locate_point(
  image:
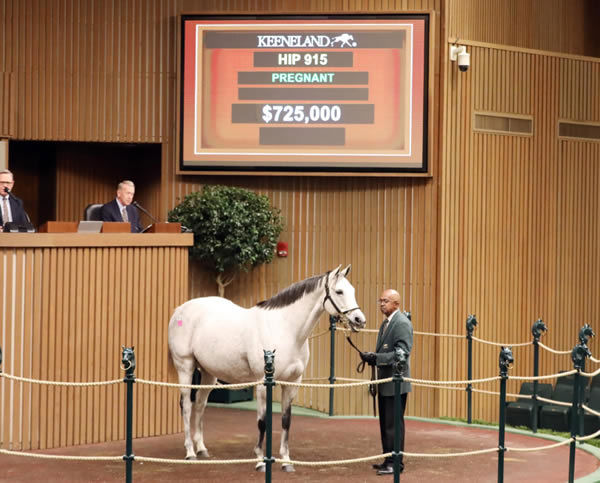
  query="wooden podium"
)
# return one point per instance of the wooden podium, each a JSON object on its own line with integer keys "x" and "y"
{"x": 164, "y": 228}
{"x": 116, "y": 227}
{"x": 59, "y": 227}
{"x": 71, "y": 301}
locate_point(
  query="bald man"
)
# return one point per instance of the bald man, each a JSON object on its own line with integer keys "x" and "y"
{"x": 395, "y": 331}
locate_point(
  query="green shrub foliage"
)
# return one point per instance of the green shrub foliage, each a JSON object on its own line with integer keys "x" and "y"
{"x": 234, "y": 228}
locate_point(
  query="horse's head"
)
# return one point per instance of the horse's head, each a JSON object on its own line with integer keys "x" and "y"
{"x": 471, "y": 324}
{"x": 269, "y": 362}
{"x": 506, "y": 358}
{"x": 128, "y": 359}
{"x": 340, "y": 300}
{"x": 537, "y": 328}
{"x": 585, "y": 333}
{"x": 400, "y": 360}
{"x": 578, "y": 355}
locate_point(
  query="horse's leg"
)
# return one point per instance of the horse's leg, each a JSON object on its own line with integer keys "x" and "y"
{"x": 198, "y": 415}
{"x": 261, "y": 408}
{"x": 185, "y": 369}
{"x": 288, "y": 393}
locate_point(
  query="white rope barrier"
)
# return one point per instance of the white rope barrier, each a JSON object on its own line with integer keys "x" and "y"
{"x": 59, "y": 383}
{"x": 61, "y": 457}
{"x": 552, "y": 401}
{"x": 452, "y": 388}
{"x": 472, "y": 381}
{"x": 448, "y": 455}
{"x": 201, "y": 386}
{"x": 508, "y": 394}
{"x": 354, "y": 383}
{"x": 385, "y": 455}
{"x": 540, "y": 378}
{"x": 549, "y": 349}
{"x": 416, "y": 332}
{"x": 332, "y": 462}
{"x": 150, "y": 459}
{"x": 349, "y": 379}
{"x": 590, "y": 410}
{"x": 483, "y": 341}
{"x": 541, "y": 448}
{"x": 350, "y": 384}
{"x": 589, "y": 436}
{"x": 591, "y": 374}
{"x": 433, "y": 334}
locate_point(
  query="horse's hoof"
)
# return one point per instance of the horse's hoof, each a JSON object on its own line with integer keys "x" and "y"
{"x": 261, "y": 467}
{"x": 203, "y": 454}
{"x": 190, "y": 457}
{"x": 288, "y": 468}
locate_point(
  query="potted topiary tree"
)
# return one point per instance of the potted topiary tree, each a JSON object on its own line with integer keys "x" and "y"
{"x": 234, "y": 229}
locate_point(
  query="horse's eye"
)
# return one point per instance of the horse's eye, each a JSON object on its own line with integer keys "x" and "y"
{"x": 339, "y": 292}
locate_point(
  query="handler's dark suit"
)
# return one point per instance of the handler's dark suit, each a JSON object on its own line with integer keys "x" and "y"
{"x": 397, "y": 332}
{"x": 16, "y": 208}
{"x": 110, "y": 212}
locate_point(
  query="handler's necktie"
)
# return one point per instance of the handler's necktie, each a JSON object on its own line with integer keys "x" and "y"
{"x": 6, "y": 212}
{"x": 384, "y": 325}
{"x": 124, "y": 214}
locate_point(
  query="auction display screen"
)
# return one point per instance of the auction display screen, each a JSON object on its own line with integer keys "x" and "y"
{"x": 333, "y": 95}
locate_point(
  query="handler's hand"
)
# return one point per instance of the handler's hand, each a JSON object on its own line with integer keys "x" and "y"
{"x": 369, "y": 357}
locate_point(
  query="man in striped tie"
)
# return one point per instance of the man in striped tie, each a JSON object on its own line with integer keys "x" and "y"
{"x": 121, "y": 209}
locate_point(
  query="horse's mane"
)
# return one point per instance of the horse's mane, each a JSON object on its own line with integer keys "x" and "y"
{"x": 289, "y": 295}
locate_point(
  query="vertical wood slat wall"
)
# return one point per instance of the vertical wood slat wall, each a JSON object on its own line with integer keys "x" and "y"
{"x": 519, "y": 225}
{"x": 551, "y": 25}
{"x": 75, "y": 74}
{"x": 73, "y": 310}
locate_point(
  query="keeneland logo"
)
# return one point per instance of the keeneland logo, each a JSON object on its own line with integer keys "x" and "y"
{"x": 309, "y": 41}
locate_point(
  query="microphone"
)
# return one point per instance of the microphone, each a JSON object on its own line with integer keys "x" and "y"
{"x": 141, "y": 208}
{"x": 11, "y": 196}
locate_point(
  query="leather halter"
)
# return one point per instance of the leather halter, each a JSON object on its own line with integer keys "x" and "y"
{"x": 341, "y": 313}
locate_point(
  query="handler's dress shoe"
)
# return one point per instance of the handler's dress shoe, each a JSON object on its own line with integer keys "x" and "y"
{"x": 379, "y": 466}
{"x": 388, "y": 470}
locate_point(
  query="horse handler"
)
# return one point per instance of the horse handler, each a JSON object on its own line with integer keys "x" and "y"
{"x": 395, "y": 331}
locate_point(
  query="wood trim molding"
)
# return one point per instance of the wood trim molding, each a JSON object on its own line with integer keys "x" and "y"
{"x": 512, "y": 48}
{"x": 96, "y": 240}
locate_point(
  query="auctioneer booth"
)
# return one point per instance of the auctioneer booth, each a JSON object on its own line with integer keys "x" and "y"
{"x": 71, "y": 300}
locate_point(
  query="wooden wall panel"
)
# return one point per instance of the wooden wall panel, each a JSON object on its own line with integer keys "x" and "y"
{"x": 66, "y": 313}
{"x": 504, "y": 229}
{"x": 567, "y": 26}
{"x": 7, "y": 102}
{"x": 103, "y": 66}
{"x": 518, "y": 230}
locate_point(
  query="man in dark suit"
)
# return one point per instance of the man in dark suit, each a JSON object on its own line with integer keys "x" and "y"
{"x": 11, "y": 207}
{"x": 120, "y": 209}
{"x": 395, "y": 331}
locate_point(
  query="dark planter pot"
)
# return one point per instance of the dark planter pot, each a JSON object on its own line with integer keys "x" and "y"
{"x": 229, "y": 396}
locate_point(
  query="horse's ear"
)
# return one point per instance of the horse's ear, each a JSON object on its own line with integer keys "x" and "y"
{"x": 346, "y": 270}
{"x": 336, "y": 272}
